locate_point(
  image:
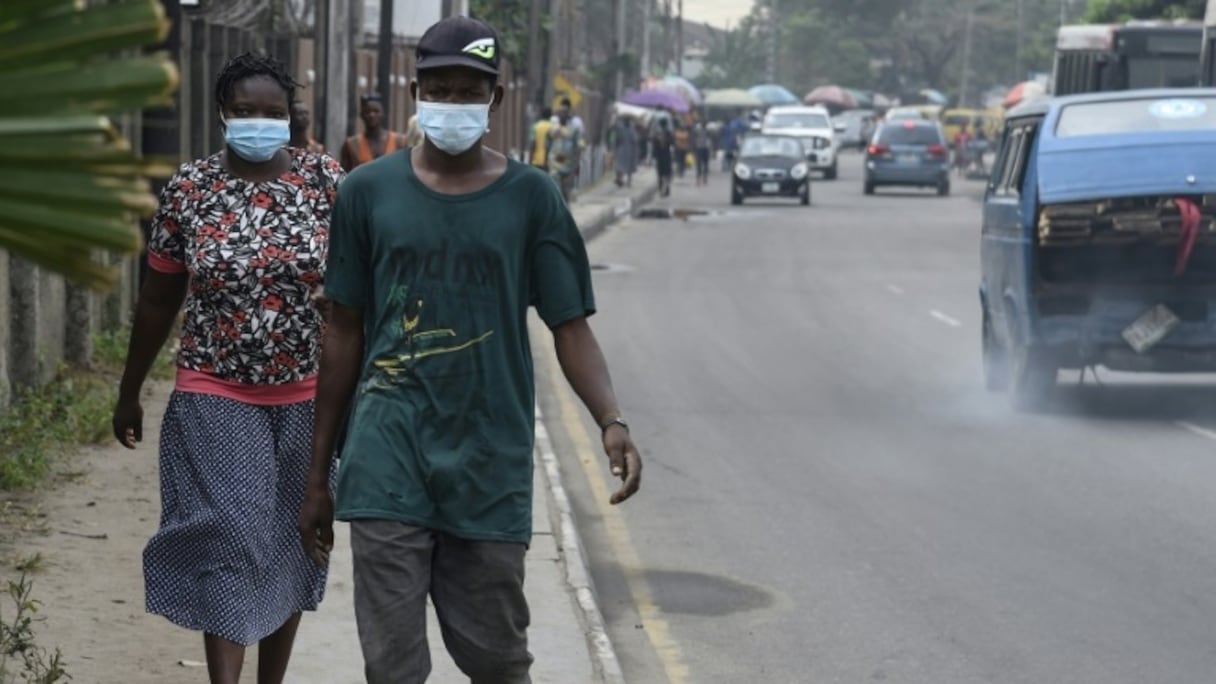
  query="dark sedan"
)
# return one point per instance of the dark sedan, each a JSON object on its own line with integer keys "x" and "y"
{"x": 771, "y": 166}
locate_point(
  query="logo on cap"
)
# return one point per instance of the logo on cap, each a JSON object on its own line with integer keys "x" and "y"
{"x": 482, "y": 47}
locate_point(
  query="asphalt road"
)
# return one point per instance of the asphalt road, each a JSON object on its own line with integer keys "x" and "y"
{"x": 831, "y": 495}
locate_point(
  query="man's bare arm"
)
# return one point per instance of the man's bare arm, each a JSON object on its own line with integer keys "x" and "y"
{"x": 585, "y": 369}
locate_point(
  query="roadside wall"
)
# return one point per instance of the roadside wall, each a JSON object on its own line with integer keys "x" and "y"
{"x": 45, "y": 322}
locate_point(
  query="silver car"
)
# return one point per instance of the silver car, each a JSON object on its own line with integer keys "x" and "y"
{"x": 909, "y": 153}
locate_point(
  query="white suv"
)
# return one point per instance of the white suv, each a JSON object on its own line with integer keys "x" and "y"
{"x": 814, "y": 126}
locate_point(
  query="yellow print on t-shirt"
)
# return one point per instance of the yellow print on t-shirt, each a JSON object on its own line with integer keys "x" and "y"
{"x": 398, "y": 369}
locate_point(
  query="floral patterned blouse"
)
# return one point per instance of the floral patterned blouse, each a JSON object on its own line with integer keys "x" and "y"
{"x": 255, "y": 253}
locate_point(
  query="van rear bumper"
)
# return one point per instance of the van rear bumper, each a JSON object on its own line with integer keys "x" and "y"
{"x": 1081, "y": 328}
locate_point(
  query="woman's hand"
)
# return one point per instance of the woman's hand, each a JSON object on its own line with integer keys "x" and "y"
{"x": 128, "y": 422}
{"x": 324, "y": 304}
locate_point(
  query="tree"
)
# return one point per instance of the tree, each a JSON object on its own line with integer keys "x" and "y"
{"x": 895, "y": 46}
{"x": 510, "y": 19}
{"x": 1124, "y": 10}
{"x": 70, "y": 184}
{"x": 736, "y": 56}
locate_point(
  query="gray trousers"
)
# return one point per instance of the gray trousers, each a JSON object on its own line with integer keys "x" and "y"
{"x": 478, "y": 591}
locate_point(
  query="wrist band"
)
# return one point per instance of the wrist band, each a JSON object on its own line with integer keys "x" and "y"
{"x": 615, "y": 420}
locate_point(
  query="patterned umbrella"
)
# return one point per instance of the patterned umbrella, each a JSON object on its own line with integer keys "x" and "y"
{"x": 831, "y": 96}
{"x": 731, "y": 97}
{"x": 685, "y": 87}
{"x": 1026, "y": 90}
{"x": 657, "y": 99}
{"x": 934, "y": 97}
{"x": 772, "y": 94}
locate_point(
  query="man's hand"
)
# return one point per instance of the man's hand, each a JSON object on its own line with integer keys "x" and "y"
{"x": 625, "y": 461}
{"x": 317, "y": 523}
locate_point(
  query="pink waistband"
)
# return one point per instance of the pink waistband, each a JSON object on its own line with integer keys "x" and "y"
{"x": 159, "y": 262}
{"x": 261, "y": 395}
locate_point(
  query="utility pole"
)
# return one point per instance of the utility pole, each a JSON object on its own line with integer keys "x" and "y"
{"x": 320, "y": 67}
{"x": 966, "y": 77}
{"x": 536, "y": 70}
{"x": 1019, "y": 71}
{"x": 647, "y": 15}
{"x": 384, "y": 60}
{"x": 554, "y": 59}
{"x": 666, "y": 35}
{"x": 680, "y": 38}
{"x": 339, "y": 49}
{"x": 621, "y": 11}
{"x": 774, "y": 38}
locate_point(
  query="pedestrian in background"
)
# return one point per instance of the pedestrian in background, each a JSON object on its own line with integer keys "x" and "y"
{"x": 563, "y": 153}
{"x": 701, "y": 146}
{"x": 240, "y": 238}
{"x": 566, "y": 112}
{"x": 413, "y": 134}
{"x": 375, "y": 141}
{"x": 436, "y": 471}
{"x": 683, "y": 144}
{"x": 538, "y": 139}
{"x": 661, "y": 150}
{"x": 732, "y": 135}
{"x": 625, "y": 151}
{"x": 301, "y": 129}
{"x": 642, "y": 134}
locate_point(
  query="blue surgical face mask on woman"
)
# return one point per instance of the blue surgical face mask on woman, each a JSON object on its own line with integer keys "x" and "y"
{"x": 256, "y": 140}
{"x": 454, "y": 128}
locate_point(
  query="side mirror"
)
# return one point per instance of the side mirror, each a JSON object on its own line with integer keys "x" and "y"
{"x": 840, "y": 126}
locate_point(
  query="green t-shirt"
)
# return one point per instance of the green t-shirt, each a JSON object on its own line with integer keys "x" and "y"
{"x": 442, "y": 432}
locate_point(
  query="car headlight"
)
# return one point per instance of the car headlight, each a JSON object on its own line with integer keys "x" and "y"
{"x": 743, "y": 171}
{"x": 799, "y": 171}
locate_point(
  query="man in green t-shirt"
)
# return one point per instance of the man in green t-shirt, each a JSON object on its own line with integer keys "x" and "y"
{"x": 435, "y": 256}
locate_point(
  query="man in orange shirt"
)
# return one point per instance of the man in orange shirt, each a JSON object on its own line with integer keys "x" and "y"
{"x": 375, "y": 141}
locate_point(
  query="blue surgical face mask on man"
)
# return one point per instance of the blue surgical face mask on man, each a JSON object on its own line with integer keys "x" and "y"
{"x": 256, "y": 140}
{"x": 454, "y": 128}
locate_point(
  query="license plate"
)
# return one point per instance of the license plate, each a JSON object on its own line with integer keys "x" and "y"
{"x": 1151, "y": 328}
{"x": 908, "y": 159}
{"x": 770, "y": 187}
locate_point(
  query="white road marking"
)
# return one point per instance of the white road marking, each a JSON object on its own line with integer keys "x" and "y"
{"x": 895, "y": 289}
{"x": 1196, "y": 430}
{"x": 952, "y": 322}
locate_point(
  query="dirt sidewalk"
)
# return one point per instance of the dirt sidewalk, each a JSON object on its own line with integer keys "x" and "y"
{"x": 90, "y": 528}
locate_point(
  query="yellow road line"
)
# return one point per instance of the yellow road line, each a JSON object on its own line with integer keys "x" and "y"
{"x": 594, "y": 465}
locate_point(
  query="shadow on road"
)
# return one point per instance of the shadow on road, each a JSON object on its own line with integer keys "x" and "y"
{"x": 1156, "y": 401}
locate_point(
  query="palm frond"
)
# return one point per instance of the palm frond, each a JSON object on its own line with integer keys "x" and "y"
{"x": 70, "y": 184}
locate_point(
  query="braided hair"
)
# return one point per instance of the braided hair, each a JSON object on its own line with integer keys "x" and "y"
{"x": 252, "y": 65}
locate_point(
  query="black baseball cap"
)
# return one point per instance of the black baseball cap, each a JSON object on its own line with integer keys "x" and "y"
{"x": 459, "y": 41}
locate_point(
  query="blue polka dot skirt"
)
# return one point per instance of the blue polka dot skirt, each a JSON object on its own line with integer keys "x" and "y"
{"x": 227, "y": 558}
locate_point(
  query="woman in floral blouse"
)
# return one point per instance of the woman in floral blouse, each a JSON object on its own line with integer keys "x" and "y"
{"x": 240, "y": 239}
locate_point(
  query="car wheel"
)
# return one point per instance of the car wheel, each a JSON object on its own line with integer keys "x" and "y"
{"x": 869, "y": 188}
{"x": 996, "y": 361}
{"x": 943, "y": 188}
{"x": 832, "y": 171}
{"x": 736, "y": 197}
{"x": 805, "y": 197}
{"x": 1032, "y": 380}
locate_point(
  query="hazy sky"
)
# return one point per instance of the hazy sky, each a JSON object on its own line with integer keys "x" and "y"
{"x": 717, "y": 12}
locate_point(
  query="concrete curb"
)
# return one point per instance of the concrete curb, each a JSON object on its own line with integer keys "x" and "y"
{"x": 574, "y": 560}
{"x": 611, "y": 213}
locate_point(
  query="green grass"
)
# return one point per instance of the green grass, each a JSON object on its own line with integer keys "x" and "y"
{"x": 21, "y": 658}
{"x": 72, "y": 410}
